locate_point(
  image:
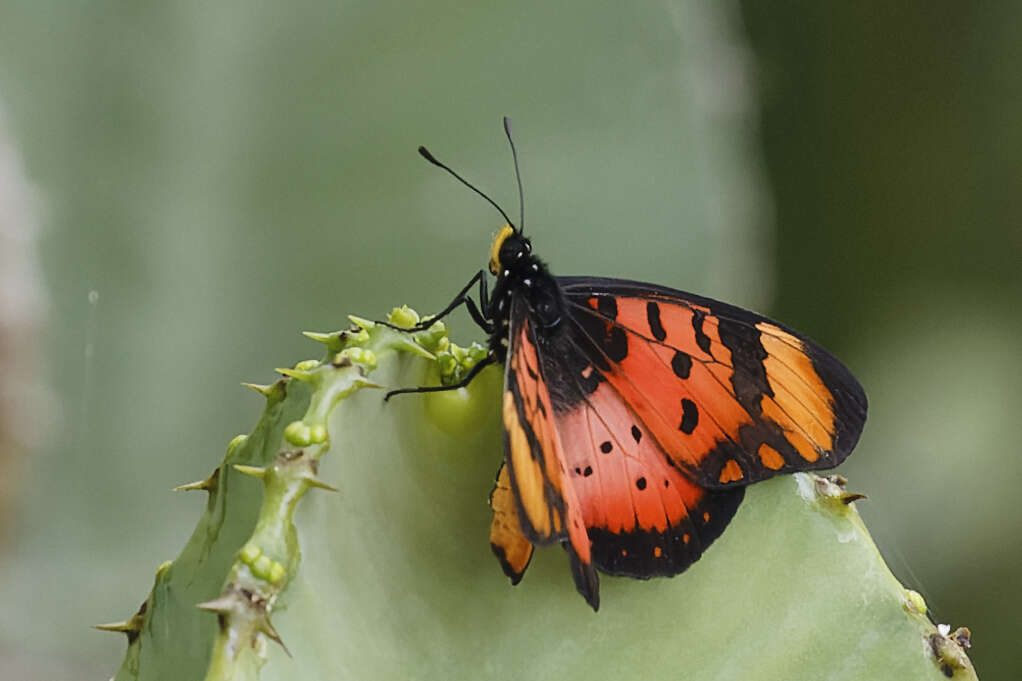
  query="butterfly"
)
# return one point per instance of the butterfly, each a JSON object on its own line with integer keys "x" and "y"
{"x": 634, "y": 415}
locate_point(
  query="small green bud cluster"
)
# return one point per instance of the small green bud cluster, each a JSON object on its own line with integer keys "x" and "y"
{"x": 456, "y": 361}
{"x": 262, "y": 566}
{"x": 301, "y": 434}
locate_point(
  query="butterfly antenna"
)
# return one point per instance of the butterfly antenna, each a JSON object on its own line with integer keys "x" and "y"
{"x": 518, "y": 176}
{"x": 424, "y": 152}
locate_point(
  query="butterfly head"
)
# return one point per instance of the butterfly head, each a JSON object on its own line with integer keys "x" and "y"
{"x": 509, "y": 250}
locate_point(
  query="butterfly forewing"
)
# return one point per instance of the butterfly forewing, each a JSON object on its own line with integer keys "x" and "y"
{"x": 732, "y": 397}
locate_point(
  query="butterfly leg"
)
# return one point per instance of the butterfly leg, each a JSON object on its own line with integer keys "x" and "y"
{"x": 473, "y": 310}
{"x": 473, "y": 372}
{"x": 461, "y": 299}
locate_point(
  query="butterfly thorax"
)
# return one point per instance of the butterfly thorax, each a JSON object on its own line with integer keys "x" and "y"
{"x": 520, "y": 273}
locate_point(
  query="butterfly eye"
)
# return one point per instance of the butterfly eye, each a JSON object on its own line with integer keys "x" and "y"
{"x": 512, "y": 250}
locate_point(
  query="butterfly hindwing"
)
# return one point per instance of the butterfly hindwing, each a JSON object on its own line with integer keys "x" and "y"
{"x": 510, "y": 546}
{"x": 642, "y": 516}
{"x": 731, "y": 397}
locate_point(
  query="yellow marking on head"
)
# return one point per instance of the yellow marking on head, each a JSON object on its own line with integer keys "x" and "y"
{"x": 770, "y": 457}
{"x": 498, "y": 241}
{"x": 731, "y": 471}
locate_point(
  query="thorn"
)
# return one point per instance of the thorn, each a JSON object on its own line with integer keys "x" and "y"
{"x": 297, "y": 374}
{"x": 190, "y": 486}
{"x": 273, "y": 391}
{"x": 271, "y": 633}
{"x": 209, "y": 484}
{"x": 849, "y": 497}
{"x": 325, "y": 338}
{"x": 406, "y": 345}
{"x": 262, "y": 389}
{"x": 361, "y": 322}
{"x": 336, "y": 340}
{"x": 254, "y": 471}
{"x": 363, "y": 383}
{"x": 221, "y": 605}
{"x": 132, "y": 625}
{"x": 316, "y": 482}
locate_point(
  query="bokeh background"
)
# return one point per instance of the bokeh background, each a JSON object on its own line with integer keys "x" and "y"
{"x": 184, "y": 186}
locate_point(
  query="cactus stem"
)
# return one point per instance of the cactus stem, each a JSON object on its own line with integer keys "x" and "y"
{"x": 269, "y": 557}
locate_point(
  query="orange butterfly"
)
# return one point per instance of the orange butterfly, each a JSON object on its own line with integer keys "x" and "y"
{"x": 634, "y": 414}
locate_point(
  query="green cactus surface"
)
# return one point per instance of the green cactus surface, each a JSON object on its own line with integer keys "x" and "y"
{"x": 392, "y": 577}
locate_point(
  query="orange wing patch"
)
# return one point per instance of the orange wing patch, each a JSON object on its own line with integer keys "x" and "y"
{"x": 510, "y": 546}
{"x": 644, "y": 517}
{"x": 799, "y": 392}
{"x": 730, "y": 396}
{"x": 681, "y": 389}
{"x": 770, "y": 457}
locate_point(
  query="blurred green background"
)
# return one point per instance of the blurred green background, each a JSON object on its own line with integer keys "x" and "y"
{"x": 212, "y": 178}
